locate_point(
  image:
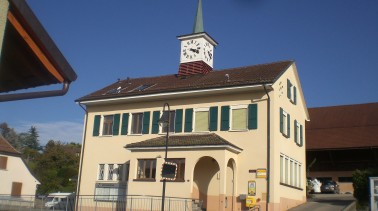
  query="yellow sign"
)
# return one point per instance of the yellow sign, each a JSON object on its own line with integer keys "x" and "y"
{"x": 250, "y": 201}
{"x": 261, "y": 173}
{"x": 252, "y": 188}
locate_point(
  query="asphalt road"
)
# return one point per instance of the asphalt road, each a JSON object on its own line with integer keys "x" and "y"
{"x": 326, "y": 202}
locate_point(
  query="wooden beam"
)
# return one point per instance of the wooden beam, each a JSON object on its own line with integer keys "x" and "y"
{"x": 34, "y": 47}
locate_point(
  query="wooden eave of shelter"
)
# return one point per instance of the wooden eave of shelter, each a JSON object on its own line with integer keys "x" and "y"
{"x": 29, "y": 57}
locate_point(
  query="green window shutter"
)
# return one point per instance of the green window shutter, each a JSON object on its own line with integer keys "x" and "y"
{"x": 288, "y": 125}
{"x": 155, "y": 124}
{"x": 281, "y": 120}
{"x": 295, "y": 95}
{"x": 252, "y": 116}
{"x": 295, "y": 132}
{"x": 225, "y": 118}
{"x": 188, "y": 120}
{"x": 178, "y": 121}
{"x": 213, "y": 126}
{"x": 125, "y": 124}
{"x": 146, "y": 122}
{"x": 288, "y": 89}
{"x": 301, "y": 136}
{"x": 116, "y": 118}
{"x": 96, "y": 125}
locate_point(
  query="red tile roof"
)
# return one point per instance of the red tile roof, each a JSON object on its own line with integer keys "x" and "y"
{"x": 210, "y": 139}
{"x": 242, "y": 76}
{"x": 6, "y": 147}
{"x": 340, "y": 127}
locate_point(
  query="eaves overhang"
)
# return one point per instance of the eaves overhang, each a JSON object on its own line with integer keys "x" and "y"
{"x": 177, "y": 94}
{"x": 185, "y": 148}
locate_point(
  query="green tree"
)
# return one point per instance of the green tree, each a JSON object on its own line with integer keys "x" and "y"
{"x": 10, "y": 135}
{"x": 57, "y": 167}
{"x": 361, "y": 185}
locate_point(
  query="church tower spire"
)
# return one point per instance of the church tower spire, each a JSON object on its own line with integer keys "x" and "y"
{"x": 197, "y": 49}
{"x": 198, "y": 21}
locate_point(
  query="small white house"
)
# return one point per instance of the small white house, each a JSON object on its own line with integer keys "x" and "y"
{"x": 16, "y": 178}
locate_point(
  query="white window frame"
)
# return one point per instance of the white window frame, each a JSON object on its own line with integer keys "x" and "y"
{"x": 290, "y": 171}
{"x": 298, "y": 133}
{"x": 101, "y": 172}
{"x": 110, "y": 171}
{"x": 102, "y": 125}
{"x": 235, "y": 107}
{"x": 131, "y": 124}
{"x": 284, "y": 122}
{"x": 205, "y": 109}
{"x": 170, "y": 123}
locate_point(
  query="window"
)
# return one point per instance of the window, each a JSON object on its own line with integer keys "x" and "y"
{"x": 201, "y": 117}
{"x": 284, "y": 123}
{"x": 3, "y": 162}
{"x": 110, "y": 171}
{"x": 171, "y": 123}
{"x": 107, "y": 126}
{"x": 291, "y": 92}
{"x": 142, "y": 87}
{"x": 290, "y": 172}
{"x": 239, "y": 116}
{"x": 298, "y": 132}
{"x": 146, "y": 169}
{"x": 109, "y": 191}
{"x": 136, "y": 123}
{"x": 119, "y": 172}
{"x": 281, "y": 168}
{"x": 180, "y": 167}
{"x": 16, "y": 189}
{"x": 101, "y": 171}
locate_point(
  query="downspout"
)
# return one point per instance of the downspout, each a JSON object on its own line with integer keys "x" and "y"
{"x": 32, "y": 95}
{"x": 81, "y": 158}
{"x": 268, "y": 152}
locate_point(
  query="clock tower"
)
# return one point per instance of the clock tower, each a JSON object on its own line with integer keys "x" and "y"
{"x": 197, "y": 49}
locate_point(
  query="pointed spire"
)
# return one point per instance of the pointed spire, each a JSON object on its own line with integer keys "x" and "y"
{"x": 198, "y": 22}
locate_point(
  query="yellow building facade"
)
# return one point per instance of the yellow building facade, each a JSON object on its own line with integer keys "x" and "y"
{"x": 236, "y": 135}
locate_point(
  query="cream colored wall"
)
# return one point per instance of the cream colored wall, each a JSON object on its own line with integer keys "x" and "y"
{"x": 17, "y": 172}
{"x": 111, "y": 149}
{"x": 4, "y": 5}
{"x": 287, "y": 146}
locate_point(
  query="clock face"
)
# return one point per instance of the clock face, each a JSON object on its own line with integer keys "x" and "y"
{"x": 208, "y": 52}
{"x": 191, "y": 49}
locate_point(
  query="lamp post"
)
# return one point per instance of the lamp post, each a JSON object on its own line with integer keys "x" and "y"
{"x": 164, "y": 122}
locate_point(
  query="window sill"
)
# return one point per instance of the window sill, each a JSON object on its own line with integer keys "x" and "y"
{"x": 285, "y": 135}
{"x": 139, "y": 134}
{"x": 290, "y": 186}
{"x": 144, "y": 180}
{"x": 173, "y": 180}
{"x": 243, "y": 130}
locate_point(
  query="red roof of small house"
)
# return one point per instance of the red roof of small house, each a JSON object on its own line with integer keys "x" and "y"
{"x": 7, "y": 148}
{"x": 342, "y": 127}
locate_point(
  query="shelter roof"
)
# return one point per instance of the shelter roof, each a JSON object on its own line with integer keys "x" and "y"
{"x": 341, "y": 127}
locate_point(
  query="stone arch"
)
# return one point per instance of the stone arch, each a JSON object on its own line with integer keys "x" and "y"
{"x": 206, "y": 183}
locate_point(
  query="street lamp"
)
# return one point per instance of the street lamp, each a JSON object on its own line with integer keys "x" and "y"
{"x": 164, "y": 122}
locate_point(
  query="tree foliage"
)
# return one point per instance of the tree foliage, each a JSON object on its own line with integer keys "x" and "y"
{"x": 55, "y": 166}
{"x": 361, "y": 184}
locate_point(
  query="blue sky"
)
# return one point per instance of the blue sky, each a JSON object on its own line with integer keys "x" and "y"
{"x": 334, "y": 44}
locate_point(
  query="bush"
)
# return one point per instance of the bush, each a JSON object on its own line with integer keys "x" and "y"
{"x": 361, "y": 185}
